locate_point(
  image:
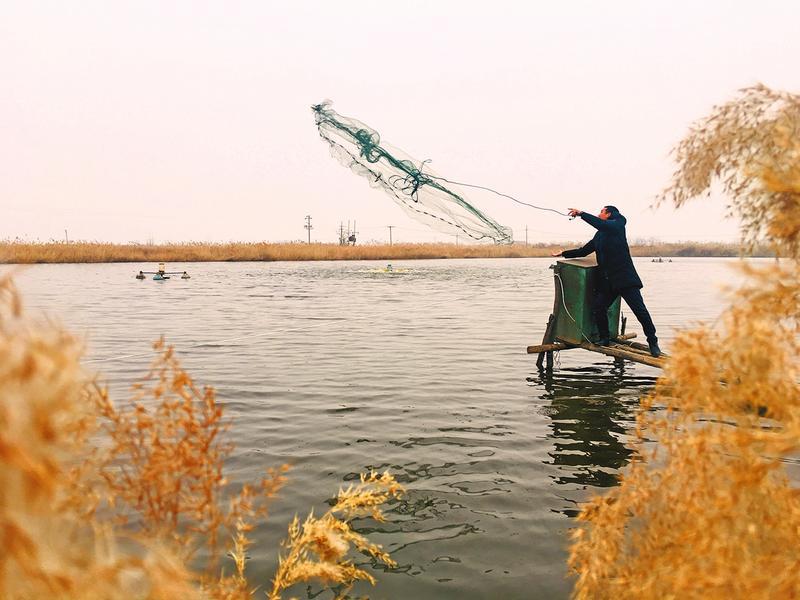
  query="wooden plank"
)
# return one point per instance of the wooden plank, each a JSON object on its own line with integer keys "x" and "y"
{"x": 635, "y": 350}
{"x": 644, "y": 348}
{"x": 547, "y": 339}
{"x": 626, "y": 353}
{"x": 636, "y": 345}
{"x": 558, "y": 346}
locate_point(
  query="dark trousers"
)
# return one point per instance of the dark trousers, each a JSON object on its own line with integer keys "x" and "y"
{"x": 604, "y": 297}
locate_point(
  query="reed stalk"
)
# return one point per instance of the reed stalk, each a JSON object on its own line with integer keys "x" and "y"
{"x": 99, "y": 252}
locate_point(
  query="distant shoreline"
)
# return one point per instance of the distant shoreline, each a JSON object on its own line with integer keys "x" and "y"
{"x": 97, "y": 252}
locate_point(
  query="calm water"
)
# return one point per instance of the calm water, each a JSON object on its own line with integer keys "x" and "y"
{"x": 338, "y": 368}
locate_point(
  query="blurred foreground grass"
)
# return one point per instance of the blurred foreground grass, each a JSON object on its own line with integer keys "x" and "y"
{"x": 706, "y": 508}
{"x": 115, "y": 500}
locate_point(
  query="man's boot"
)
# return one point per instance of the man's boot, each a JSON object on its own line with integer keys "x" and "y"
{"x": 655, "y": 351}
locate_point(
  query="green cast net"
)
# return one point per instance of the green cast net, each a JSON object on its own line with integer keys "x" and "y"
{"x": 410, "y": 182}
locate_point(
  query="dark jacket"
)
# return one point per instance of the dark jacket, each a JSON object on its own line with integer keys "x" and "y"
{"x": 611, "y": 247}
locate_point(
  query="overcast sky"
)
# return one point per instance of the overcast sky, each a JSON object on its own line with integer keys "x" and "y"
{"x": 174, "y": 121}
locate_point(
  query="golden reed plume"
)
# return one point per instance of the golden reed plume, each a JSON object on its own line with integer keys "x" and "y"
{"x": 706, "y": 509}
{"x": 318, "y": 549}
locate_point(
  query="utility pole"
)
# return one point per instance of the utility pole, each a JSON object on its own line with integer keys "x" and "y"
{"x": 66, "y": 237}
{"x": 390, "y": 233}
{"x": 456, "y": 239}
{"x": 309, "y": 227}
{"x": 342, "y": 239}
{"x": 526, "y": 235}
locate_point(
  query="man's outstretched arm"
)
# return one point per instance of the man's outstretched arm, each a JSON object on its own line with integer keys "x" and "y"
{"x": 578, "y": 252}
{"x": 597, "y": 222}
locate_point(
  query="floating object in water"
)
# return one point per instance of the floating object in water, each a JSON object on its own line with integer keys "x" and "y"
{"x": 162, "y": 274}
{"x": 575, "y": 328}
{"x": 389, "y": 269}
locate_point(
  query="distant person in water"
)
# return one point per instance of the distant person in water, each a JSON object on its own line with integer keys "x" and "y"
{"x": 618, "y": 277}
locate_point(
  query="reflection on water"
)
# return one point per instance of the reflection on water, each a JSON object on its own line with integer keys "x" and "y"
{"x": 591, "y": 411}
{"x": 452, "y": 499}
{"x": 338, "y": 370}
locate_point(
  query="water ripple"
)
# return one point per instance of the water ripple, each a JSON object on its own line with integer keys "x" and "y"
{"x": 338, "y": 368}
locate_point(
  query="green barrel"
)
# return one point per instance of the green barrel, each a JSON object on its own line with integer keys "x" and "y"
{"x": 577, "y": 278}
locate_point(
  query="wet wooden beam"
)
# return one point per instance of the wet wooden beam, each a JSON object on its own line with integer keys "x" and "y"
{"x": 636, "y": 345}
{"x": 558, "y": 346}
{"x": 621, "y": 347}
{"x": 549, "y": 347}
{"x": 632, "y": 354}
{"x": 548, "y": 339}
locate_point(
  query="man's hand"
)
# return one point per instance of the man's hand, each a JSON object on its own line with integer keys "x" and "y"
{"x": 557, "y": 253}
{"x": 574, "y": 212}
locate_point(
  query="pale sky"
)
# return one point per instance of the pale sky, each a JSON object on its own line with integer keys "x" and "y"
{"x": 178, "y": 121}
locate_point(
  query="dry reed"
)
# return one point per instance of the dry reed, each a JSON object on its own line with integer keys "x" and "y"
{"x": 101, "y": 501}
{"x": 52, "y": 545}
{"x": 97, "y": 252}
{"x": 318, "y": 549}
{"x": 165, "y": 462}
{"x": 78, "y": 252}
{"x": 706, "y": 509}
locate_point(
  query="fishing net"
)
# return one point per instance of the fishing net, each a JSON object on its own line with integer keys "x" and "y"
{"x": 410, "y": 182}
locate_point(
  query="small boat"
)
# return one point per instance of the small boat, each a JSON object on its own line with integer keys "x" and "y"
{"x": 162, "y": 274}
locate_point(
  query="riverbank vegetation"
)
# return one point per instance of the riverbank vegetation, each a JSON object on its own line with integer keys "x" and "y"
{"x": 131, "y": 500}
{"x": 99, "y": 252}
{"x": 707, "y": 508}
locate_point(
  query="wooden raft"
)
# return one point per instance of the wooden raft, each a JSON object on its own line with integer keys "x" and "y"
{"x": 621, "y": 347}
